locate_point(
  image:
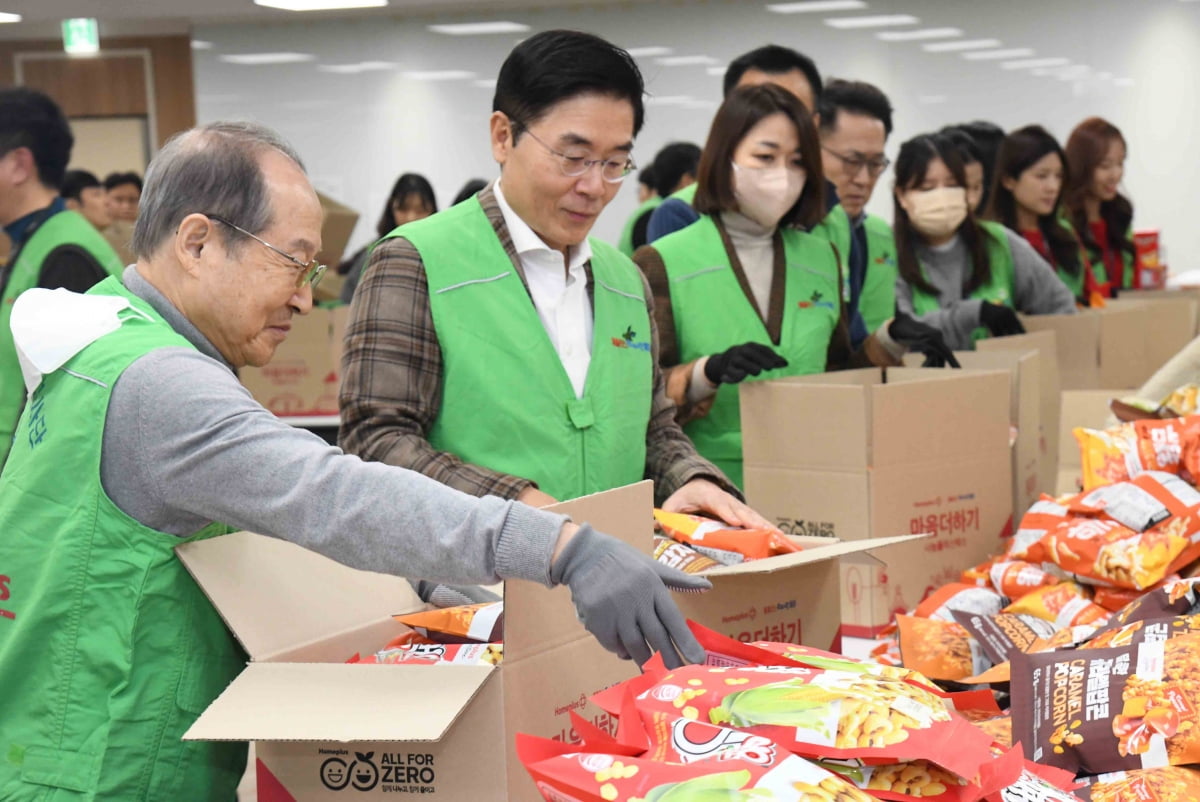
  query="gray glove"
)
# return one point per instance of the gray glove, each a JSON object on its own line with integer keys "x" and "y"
{"x": 621, "y": 597}
{"x": 442, "y": 595}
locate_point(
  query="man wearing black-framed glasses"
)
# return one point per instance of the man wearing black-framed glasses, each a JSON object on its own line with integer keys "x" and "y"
{"x": 497, "y": 348}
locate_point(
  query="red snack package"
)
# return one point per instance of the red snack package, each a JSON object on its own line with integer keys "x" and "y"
{"x": 1037, "y": 784}
{"x": 1015, "y": 578}
{"x": 944, "y": 601}
{"x": 1042, "y": 518}
{"x": 1165, "y": 784}
{"x": 696, "y": 530}
{"x": 1066, "y": 604}
{"x": 999, "y": 728}
{"x": 470, "y": 623}
{"x": 1115, "y": 709}
{"x": 981, "y": 575}
{"x": 473, "y": 654}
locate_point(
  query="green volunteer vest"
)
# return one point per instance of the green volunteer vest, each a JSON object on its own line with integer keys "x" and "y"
{"x": 1096, "y": 256}
{"x": 999, "y": 290}
{"x": 108, "y": 649}
{"x": 64, "y": 228}
{"x": 507, "y": 403}
{"x": 712, "y": 313}
{"x": 687, "y": 194}
{"x": 1076, "y": 283}
{"x": 877, "y": 301}
{"x": 625, "y": 246}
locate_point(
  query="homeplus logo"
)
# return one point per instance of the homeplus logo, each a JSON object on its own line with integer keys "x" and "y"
{"x": 391, "y": 772}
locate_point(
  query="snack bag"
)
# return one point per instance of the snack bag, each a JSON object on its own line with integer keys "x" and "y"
{"x": 944, "y": 601}
{"x": 1042, "y": 518}
{"x": 698, "y": 531}
{"x": 915, "y": 779}
{"x": 472, "y": 654}
{"x": 980, "y": 575}
{"x": 1066, "y": 604}
{"x": 1183, "y": 401}
{"x": 1033, "y": 786}
{"x": 1115, "y": 709}
{"x": 1151, "y": 629}
{"x": 1015, "y": 578}
{"x": 1165, "y": 784}
{"x": 819, "y": 713}
{"x": 1001, "y": 635}
{"x": 677, "y": 555}
{"x": 998, "y": 728}
{"x": 470, "y": 623}
{"x": 1123, "y": 452}
{"x": 1168, "y": 600}
{"x": 939, "y": 649}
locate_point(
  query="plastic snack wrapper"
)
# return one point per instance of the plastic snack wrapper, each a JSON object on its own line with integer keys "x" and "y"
{"x": 1043, "y": 517}
{"x": 1001, "y": 635}
{"x": 1015, "y": 578}
{"x": 957, "y": 596}
{"x": 1165, "y": 784}
{"x": 1168, "y": 600}
{"x": 1103, "y": 710}
{"x": 1149, "y": 629}
{"x": 470, "y": 623}
{"x": 685, "y": 558}
{"x": 698, "y": 531}
{"x": 473, "y": 654}
{"x": 1126, "y": 451}
{"x": 939, "y": 649}
{"x": 1066, "y": 604}
{"x": 1038, "y": 784}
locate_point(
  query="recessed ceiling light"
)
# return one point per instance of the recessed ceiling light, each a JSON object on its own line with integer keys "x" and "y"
{"x": 485, "y": 83}
{"x": 319, "y": 5}
{"x": 993, "y": 55}
{"x": 438, "y": 75}
{"x": 479, "y": 28}
{"x": 915, "y": 36}
{"x": 258, "y": 59}
{"x": 7, "y": 16}
{"x": 1036, "y": 62}
{"x": 968, "y": 44}
{"x": 668, "y": 100}
{"x": 647, "y": 52}
{"x": 199, "y": 44}
{"x": 815, "y": 5}
{"x": 717, "y": 70}
{"x": 685, "y": 61}
{"x": 877, "y": 21}
{"x": 362, "y": 66}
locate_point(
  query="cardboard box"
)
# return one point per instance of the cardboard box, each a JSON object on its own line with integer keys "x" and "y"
{"x": 1171, "y": 325}
{"x": 1099, "y": 347}
{"x": 323, "y": 728}
{"x": 1080, "y": 408}
{"x": 336, "y": 229}
{"x": 849, "y": 456}
{"x": 1167, "y": 295}
{"x": 303, "y": 376}
{"x": 1046, "y": 344}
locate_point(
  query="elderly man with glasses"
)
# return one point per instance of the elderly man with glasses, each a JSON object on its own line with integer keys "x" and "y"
{"x": 497, "y": 348}
{"x": 137, "y": 437}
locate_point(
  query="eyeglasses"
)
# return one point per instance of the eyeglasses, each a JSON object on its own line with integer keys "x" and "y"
{"x": 310, "y": 272}
{"x": 575, "y": 164}
{"x": 875, "y": 167}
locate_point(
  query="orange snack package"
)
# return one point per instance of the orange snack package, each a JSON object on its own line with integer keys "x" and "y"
{"x": 1066, "y": 604}
{"x": 939, "y": 649}
{"x": 1043, "y": 517}
{"x": 980, "y": 575}
{"x": 685, "y": 558}
{"x": 1015, "y": 578}
{"x": 1167, "y": 600}
{"x": 1152, "y": 629}
{"x": 470, "y": 623}
{"x": 958, "y": 596}
{"x": 1123, "y": 452}
{"x": 696, "y": 530}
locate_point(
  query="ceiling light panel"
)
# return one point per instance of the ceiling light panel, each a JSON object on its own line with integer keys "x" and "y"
{"x": 439, "y": 75}
{"x": 479, "y": 28}
{"x": 875, "y": 21}
{"x": 1028, "y": 63}
{"x": 816, "y": 5}
{"x": 648, "y": 52}
{"x": 686, "y": 61}
{"x": 319, "y": 5}
{"x": 996, "y": 55}
{"x": 259, "y": 59}
{"x": 920, "y": 35}
{"x": 966, "y": 44}
{"x": 7, "y": 16}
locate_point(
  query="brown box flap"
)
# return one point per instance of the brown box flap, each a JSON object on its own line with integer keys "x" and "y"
{"x": 276, "y": 596}
{"x": 340, "y": 703}
{"x": 821, "y": 551}
{"x": 778, "y": 420}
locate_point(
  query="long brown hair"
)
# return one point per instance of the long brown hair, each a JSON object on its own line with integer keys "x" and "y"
{"x": 1086, "y": 148}
{"x": 1019, "y": 151}
{"x": 911, "y": 165}
{"x": 742, "y": 110}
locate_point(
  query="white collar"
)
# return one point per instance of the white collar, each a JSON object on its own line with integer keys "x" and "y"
{"x": 526, "y": 241}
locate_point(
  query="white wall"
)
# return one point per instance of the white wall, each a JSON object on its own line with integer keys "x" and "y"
{"x": 357, "y": 132}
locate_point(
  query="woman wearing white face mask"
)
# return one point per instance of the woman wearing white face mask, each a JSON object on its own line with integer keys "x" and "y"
{"x": 744, "y": 293}
{"x": 965, "y": 277}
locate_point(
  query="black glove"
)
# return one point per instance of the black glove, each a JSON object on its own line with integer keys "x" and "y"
{"x": 441, "y": 595}
{"x": 924, "y": 339}
{"x": 1001, "y": 321}
{"x": 740, "y": 361}
{"x": 621, "y": 597}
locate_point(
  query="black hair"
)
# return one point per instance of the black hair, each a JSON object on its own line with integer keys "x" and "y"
{"x": 773, "y": 60}
{"x": 856, "y": 97}
{"x": 76, "y": 181}
{"x": 912, "y": 163}
{"x": 30, "y": 119}
{"x": 553, "y": 66}
{"x": 646, "y": 176}
{"x": 114, "y": 180}
{"x": 406, "y": 185}
{"x": 672, "y": 163}
{"x": 470, "y": 188}
{"x": 964, "y": 143}
{"x": 987, "y": 138}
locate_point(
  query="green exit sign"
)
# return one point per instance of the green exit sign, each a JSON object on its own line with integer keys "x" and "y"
{"x": 81, "y": 36}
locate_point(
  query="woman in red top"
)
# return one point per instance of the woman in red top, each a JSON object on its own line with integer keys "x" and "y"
{"x": 1100, "y": 213}
{"x": 1031, "y": 170}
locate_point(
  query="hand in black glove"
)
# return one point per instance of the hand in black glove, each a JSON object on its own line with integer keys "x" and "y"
{"x": 1001, "y": 321}
{"x": 924, "y": 339}
{"x": 740, "y": 361}
{"x": 621, "y": 596}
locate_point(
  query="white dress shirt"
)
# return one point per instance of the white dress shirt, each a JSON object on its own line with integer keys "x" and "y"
{"x": 559, "y": 292}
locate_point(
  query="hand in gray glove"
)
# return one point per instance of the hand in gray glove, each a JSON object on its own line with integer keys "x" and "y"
{"x": 740, "y": 361}
{"x": 621, "y": 597}
{"x": 442, "y": 595}
{"x": 1000, "y": 320}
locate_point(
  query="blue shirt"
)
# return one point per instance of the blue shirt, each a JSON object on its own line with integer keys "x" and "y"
{"x": 18, "y": 230}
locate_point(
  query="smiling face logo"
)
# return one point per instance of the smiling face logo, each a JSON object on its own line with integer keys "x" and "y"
{"x": 363, "y": 772}
{"x": 334, "y": 774}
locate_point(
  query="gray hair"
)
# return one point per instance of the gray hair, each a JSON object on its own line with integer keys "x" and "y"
{"x": 212, "y": 169}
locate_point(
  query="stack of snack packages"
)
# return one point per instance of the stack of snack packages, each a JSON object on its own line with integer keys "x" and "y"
{"x": 471, "y": 634}
{"x": 772, "y": 721}
{"x": 1088, "y": 626}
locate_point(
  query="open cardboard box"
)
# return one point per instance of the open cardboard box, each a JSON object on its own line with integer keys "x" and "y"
{"x": 336, "y": 228}
{"x": 303, "y": 377}
{"x": 858, "y": 454}
{"x": 323, "y": 728}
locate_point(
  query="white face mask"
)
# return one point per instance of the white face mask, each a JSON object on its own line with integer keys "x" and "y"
{"x": 764, "y": 194}
{"x": 937, "y": 212}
